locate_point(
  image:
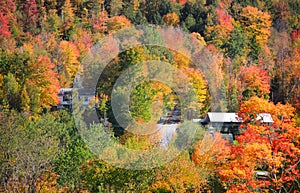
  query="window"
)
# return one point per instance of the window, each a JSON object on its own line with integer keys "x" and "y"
{"x": 86, "y": 99}
{"x": 67, "y": 97}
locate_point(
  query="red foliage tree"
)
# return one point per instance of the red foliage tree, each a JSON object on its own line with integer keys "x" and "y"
{"x": 100, "y": 22}
{"x": 295, "y": 34}
{"x": 7, "y": 17}
{"x": 224, "y": 18}
{"x": 254, "y": 81}
{"x": 30, "y": 14}
{"x": 8, "y": 9}
{"x": 272, "y": 148}
{"x": 4, "y": 28}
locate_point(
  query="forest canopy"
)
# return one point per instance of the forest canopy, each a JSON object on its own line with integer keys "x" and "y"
{"x": 45, "y": 44}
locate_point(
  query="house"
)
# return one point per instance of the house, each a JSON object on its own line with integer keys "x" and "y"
{"x": 223, "y": 122}
{"x": 66, "y": 96}
{"x": 230, "y": 122}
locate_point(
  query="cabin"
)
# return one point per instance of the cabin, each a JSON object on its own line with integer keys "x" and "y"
{"x": 229, "y": 123}
{"x": 223, "y": 122}
{"x": 66, "y": 96}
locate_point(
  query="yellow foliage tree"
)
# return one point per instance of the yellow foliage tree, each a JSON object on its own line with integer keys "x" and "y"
{"x": 180, "y": 175}
{"x": 68, "y": 63}
{"x": 256, "y": 24}
{"x": 171, "y": 19}
{"x": 117, "y": 23}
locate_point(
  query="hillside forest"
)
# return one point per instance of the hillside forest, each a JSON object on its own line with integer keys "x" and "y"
{"x": 255, "y": 45}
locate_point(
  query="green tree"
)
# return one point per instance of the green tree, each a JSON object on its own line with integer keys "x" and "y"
{"x": 68, "y": 17}
{"x": 73, "y": 152}
{"x": 115, "y": 7}
{"x": 28, "y": 148}
{"x": 198, "y": 11}
{"x": 236, "y": 43}
{"x": 11, "y": 90}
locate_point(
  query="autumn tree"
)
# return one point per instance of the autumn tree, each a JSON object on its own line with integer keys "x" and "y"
{"x": 30, "y": 16}
{"x": 171, "y": 19}
{"x": 273, "y": 149}
{"x": 53, "y": 23}
{"x": 67, "y": 62}
{"x": 8, "y": 19}
{"x": 254, "y": 82}
{"x": 44, "y": 77}
{"x": 100, "y": 22}
{"x": 67, "y": 18}
{"x": 29, "y": 147}
{"x": 117, "y": 23}
{"x": 8, "y": 8}
{"x": 4, "y": 29}
{"x": 256, "y": 25}
{"x": 218, "y": 28}
{"x": 199, "y": 85}
{"x": 207, "y": 153}
{"x": 83, "y": 40}
{"x": 179, "y": 175}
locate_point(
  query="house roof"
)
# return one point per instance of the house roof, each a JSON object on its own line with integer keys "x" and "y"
{"x": 81, "y": 91}
{"x": 219, "y": 117}
{"x": 86, "y": 91}
{"x": 265, "y": 118}
{"x": 64, "y": 90}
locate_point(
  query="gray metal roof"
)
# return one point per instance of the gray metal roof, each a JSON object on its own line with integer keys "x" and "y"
{"x": 81, "y": 91}
{"x": 219, "y": 117}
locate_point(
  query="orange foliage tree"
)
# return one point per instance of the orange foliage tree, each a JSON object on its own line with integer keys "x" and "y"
{"x": 117, "y": 23}
{"x": 44, "y": 77}
{"x": 254, "y": 81}
{"x": 274, "y": 149}
{"x": 100, "y": 22}
{"x": 83, "y": 41}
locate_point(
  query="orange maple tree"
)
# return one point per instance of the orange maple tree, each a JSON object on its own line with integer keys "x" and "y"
{"x": 254, "y": 81}
{"x": 44, "y": 77}
{"x": 117, "y": 23}
{"x": 269, "y": 149}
